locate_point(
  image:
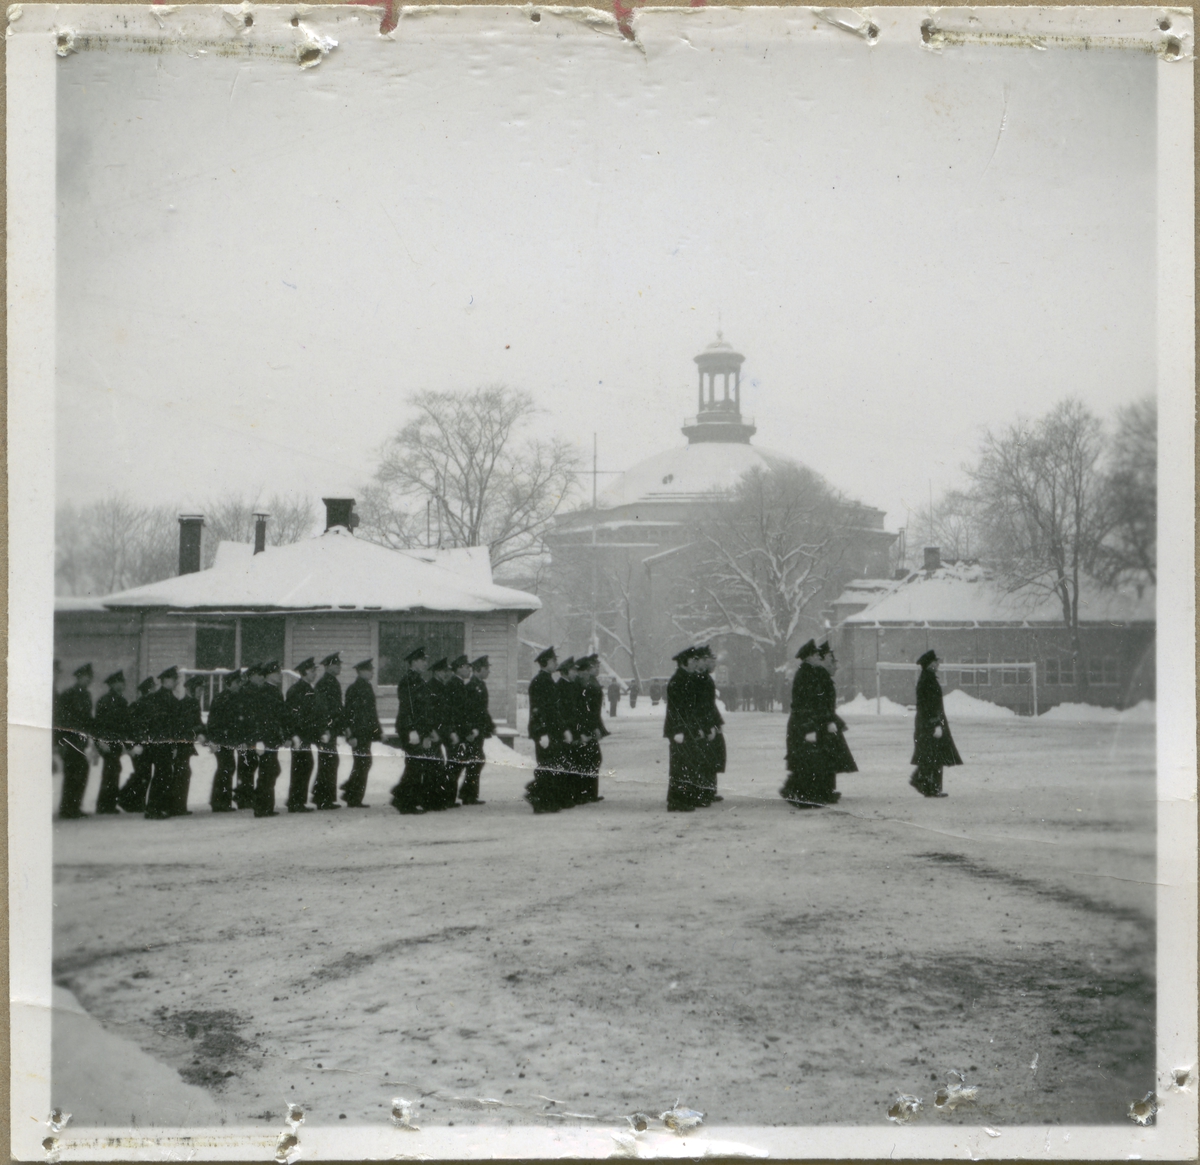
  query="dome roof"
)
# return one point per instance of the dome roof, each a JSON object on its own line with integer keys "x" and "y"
{"x": 688, "y": 473}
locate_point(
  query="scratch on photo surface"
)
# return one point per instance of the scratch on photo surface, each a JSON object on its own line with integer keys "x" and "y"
{"x": 1000, "y": 131}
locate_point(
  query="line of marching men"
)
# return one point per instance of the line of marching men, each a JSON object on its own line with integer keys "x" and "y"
{"x": 249, "y": 720}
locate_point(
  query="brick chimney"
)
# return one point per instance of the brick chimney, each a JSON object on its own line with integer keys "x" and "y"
{"x": 933, "y": 559}
{"x": 191, "y": 530}
{"x": 340, "y": 512}
{"x": 260, "y": 532}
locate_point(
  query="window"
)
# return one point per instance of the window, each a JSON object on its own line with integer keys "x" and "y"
{"x": 1050, "y": 672}
{"x": 1012, "y": 676}
{"x": 396, "y": 640}
{"x": 262, "y": 639}
{"x": 973, "y": 678}
{"x": 1102, "y": 671}
{"x": 215, "y": 647}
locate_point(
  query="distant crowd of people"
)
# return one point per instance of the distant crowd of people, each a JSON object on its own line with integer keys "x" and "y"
{"x": 442, "y": 723}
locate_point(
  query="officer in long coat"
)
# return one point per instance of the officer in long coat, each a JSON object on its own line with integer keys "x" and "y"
{"x": 416, "y": 727}
{"x": 710, "y": 718}
{"x": 241, "y": 718}
{"x": 163, "y": 729}
{"x": 329, "y": 688}
{"x": 74, "y": 727}
{"x": 191, "y": 730}
{"x": 266, "y": 731}
{"x": 546, "y": 732}
{"x": 831, "y": 735}
{"x": 132, "y": 797}
{"x": 933, "y": 746}
{"x": 568, "y": 766}
{"x": 360, "y": 723}
{"x": 221, "y": 732}
{"x": 112, "y": 738}
{"x": 686, "y": 730}
{"x": 306, "y": 721}
{"x": 445, "y": 710}
{"x": 457, "y": 725}
{"x": 806, "y": 760}
{"x": 592, "y": 729}
{"x": 480, "y": 726}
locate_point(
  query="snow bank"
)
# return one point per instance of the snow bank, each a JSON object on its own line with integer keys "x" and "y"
{"x": 864, "y": 705}
{"x": 1143, "y": 713}
{"x": 962, "y": 706}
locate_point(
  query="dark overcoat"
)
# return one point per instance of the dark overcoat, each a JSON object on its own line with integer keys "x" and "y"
{"x": 329, "y": 688}
{"x": 833, "y": 745}
{"x": 307, "y": 715}
{"x": 930, "y": 751}
{"x": 684, "y": 717}
{"x": 112, "y": 721}
{"x": 807, "y": 715}
{"x": 360, "y": 715}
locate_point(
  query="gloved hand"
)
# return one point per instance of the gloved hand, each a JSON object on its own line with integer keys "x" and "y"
{"x": 414, "y": 738}
{"x": 567, "y": 737}
{"x": 678, "y": 738}
{"x": 811, "y": 737}
{"x": 544, "y": 741}
{"x": 427, "y": 742}
{"x": 260, "y": 748}
{"x": 295, "y": 742}
{"x": 351, "y": 741}
{"x": 474, "y": 733}
{"x": 937, "y": 733}
{"x": 137, "y": 750}
{"x": 453, "y": 737}
{"x": 102, "y": 747}
{"x": 325, "y": 738}
{"x": 831, "y": 727}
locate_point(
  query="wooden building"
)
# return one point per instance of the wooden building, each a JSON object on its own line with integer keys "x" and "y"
{"x": 334, "y": 592}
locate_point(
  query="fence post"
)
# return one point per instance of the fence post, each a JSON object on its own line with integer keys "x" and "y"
{"x": 878, "y": 693}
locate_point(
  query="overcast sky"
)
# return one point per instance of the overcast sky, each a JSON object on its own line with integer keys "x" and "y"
{"x": 257, "y": 264}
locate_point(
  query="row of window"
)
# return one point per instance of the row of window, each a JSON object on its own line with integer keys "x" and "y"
{"x": 1054, "y": 672}
{"x": 263, "y": 638}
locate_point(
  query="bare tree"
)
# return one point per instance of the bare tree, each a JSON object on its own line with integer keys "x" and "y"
{"x": 113, "y": 544}
{"x": 1129, "y": 552}
{"x": 231, "y": 519}
{"x": 1041, "y": 505}
{"x": 382, "y": 520}
{"x": 486, "y": 484}
{"x": 952, "y": 524}
{"x": 596, "y": 588}
{"x": 764, "y": 559}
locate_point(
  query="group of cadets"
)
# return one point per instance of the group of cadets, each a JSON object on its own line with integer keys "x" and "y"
{"x": 565, "y": 705}
{"x": 442, "y": 723}
{"x": 248, "y": 722}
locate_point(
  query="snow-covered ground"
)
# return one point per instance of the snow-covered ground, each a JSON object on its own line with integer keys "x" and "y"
{"x": 756, "y": 962}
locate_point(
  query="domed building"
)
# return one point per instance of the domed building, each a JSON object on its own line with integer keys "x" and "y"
{"x": 616, "y": 570}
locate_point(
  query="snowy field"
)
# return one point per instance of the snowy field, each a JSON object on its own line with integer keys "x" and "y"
{"x": 761, "y": 964}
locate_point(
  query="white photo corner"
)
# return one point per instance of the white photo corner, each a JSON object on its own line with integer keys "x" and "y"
{"x": 586, "y": 583}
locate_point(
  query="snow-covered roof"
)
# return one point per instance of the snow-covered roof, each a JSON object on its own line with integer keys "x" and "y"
{"x": 335, "y": 571}
{"x": 688, "y": 473}
{"x": 63, "y": 603}
{"x": 964, "y": 594}
{"x": 473, "y": 562}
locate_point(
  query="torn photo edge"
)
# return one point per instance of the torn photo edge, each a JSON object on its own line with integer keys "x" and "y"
{"x": 35, "y": 38}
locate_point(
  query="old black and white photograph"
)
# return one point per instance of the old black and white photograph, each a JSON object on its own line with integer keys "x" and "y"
{"x": 586, "y": 582}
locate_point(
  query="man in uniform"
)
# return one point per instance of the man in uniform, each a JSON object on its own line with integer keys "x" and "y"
{"x": 269, "y": 731}
{"x": 132, "y": 797}
{"x": 74, "y": 727}
{"x": 831, "y": 732}
{"x": 806, "y": 761}
{"x": 360, "y": 721}
{"x": 686, "y": 731}
{"x": 441, "y": 791}
{"x": 306, "y": 723}
{"x": 329, "y": 688}
{"x": 546, "y": 732}
{"x": 614, "y": 695}
{"x": 112, "y": 735}
{"x": 479, "y": 727}
{"x": 163, "y": 729}
{"x": 712, "y": 722}
{"x": 417, "y": 729}
{"x": 241, "y": 715}
{"x": 933, "y": 746}
{"x": 592, "y": 729}
{"x": 457, "y": 728}
{"x": 222, "y": 735}
{"x": 191, "y": 730}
